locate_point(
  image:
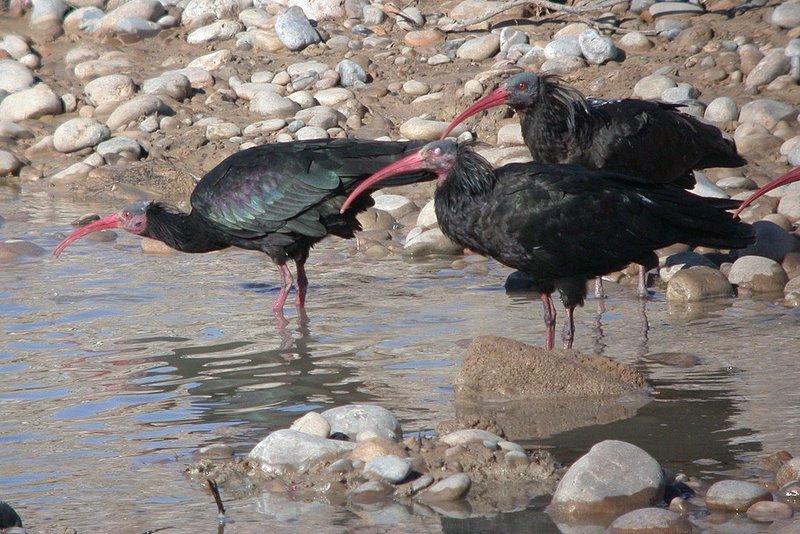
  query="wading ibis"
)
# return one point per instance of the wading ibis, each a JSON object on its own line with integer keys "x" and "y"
{"x": 643, "y": 138}
{"x": 562, "y": 224}
{"x": 278, "y": 198}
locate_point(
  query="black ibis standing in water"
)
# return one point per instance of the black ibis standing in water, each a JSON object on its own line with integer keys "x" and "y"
{"x": 280, "y": 199}
{"x": 652, "y": 140}
{"x": 562, "y": 224}
{"x": 8, "y": 517}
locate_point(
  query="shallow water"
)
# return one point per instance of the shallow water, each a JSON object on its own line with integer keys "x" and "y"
{"x": 115, "y": 366}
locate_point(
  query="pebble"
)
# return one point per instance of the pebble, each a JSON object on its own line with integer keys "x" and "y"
{"x": 614, "y": 476}
{"x": 510, "y": 37}
{"x": 135, "y": 109}
{"x": 120, "y": 147}
{"x": 651, "y": 521}
{"x": 16, "y": 248}
{"x": 786, "y": 15}
{"x": 635, "y": 42}
{"x": 769, "y": 511}
{"x": 788, "y": 472}
{"x": 392, "y": 469}
{"x": 735, "y": 495}
{"x": 294, "y": 30}
{"x": 173, "y": 85}
{"x": 14, "y": 76}
{"x": 222, "y": 130}
{"x": 428, "y": 130}
{"x": 564, "y": 46}
{"x": 597, "y": 49}
{"x": 395, "y": 205}
{"x": 374, "y": 447}
{"x": 321, "y": 10}
{"x": 351, "y": 419}
{"x": 304, "y": 99}
{"x": 759, "y": 274}
{"x": 312, "y": 423}
{"x": 9, "y": 164}
{"x": 319, "y": 116}
{"x": 774, "y": 64}
{"x": 766, "y": 112}
{"x": 679, "y": 94}
{"x": 273, "y": 105}
{"x": 722, "y": 109}
{"x": 563, "y": 65}
{"x": 198, "y": 12}
{"x": 431, "y": 243}
{"x": 427, "y": 215}
{"x": 651, "y": 87}
{"x": 371, "y": 492}
{"x": 15, "y": 45}
{"x": 462, "y": 437}
{"x": 211, "y": 62}
{"x": 698, "y": 283}
{"x": 421, "y": 38}
{"x": 479, "y": 48}
{"x": 78, "y": 133}
{"x": 333, "y": 96}
{"x": 510, "y": 134}
{"x": 111, "y": 63}
{"x": 109, "y": 88}
{"x": 298, "y": 450}
{"x": 452, "y": 488}
{"x": 350, "y": 73}
{"x": 311, "y": 132}
{"x": 415, "y": 88}
{"x": 216, "y": 31}
{"x": 31, "y": 103}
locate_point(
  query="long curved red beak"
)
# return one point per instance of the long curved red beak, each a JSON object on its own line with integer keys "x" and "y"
{"x": 410, "y": 163}
{"x": 789, "y": 177}
{"x": 495, "y": 98}
{"x": 106, "y": 223}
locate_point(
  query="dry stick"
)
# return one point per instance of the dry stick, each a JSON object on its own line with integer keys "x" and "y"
{"x": 212, "y": 485}
{"x": 552, "y": 6}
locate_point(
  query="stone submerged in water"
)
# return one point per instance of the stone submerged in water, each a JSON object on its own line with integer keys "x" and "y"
{"x": 735, "y": 495}
{"x": 651, "y": 520}
{"x": 698, "y": 283}
{"x": 354, "y": 418}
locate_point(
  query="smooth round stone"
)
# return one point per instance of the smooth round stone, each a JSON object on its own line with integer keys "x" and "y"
{"x": 452, "y": 488}
{"x": 371, "y": 492}
{"x": 249, "y": 90}
{"x": 769, "y": 511}
{"x": 319, "y": 116}
{"x": 564, "y": 46}
{"x": 563, "y": 65}
{"x": 774, "y": 64}
{"x": 698, "y": 283}
{"x": 216, "y": 451}
{"x": 635, "y": 42}
{"x": 216, "y": 31}
{"x": 368, "y": 449}
{"x": 173, "y": 85}
{"x": 110, "y": 88}
{"x": 211, "y": 62}
{"x": 415, "y": 88}
{"x": 427, "y": 215}
{"x": 350, "y": 73}
{"x": 651, "y": 87}
{"x": 754, "y": 139}
{"x": 651, "y": 521}
{"x": 333, "y": 96}
{"x": 311, "y": 132}
{"x": 273, "y": 105}
{"x": 469, "y": 435}
{"x": 14, "y": 76}
{"x": 350, "y": 419}
{"x": 297, "y": 69}
{"x": 788, "y": 472}
{"x": 722, "y": 109}
{"x": 759, "y": 274}
{"x": 111, "y": 63}
{"x": 479, "y": 48}
{"x": 199, "y": 12}
{"x": 136, "y": 108}
{"x": 392, "y": 469}
{"x": 510, "y": 134}
{"x": 15, "y": 45}
{"x": 766, "y": 112}
{"x": 262, "y": 127}
{"x": 596, "y": 48}
{"x": 312, "y": 423}
{"x": 31, "y": 103}
{"x": 772, "y": 242}
{"x": 79, "y": 133}
{"x": 786, "y": 15}
{"x": 431, "y": 243}
{"x": 121, "y": 147}
{"x": 395, "y": 205}
{"x": 682, "y": 93}
{"x": 222, "y": 130}
{"x": 85, "y": 19}
{"x": 473, "y": 88}
{"x": 298, "y": 450}
{"x": 9, "y": 164}
{"x": 17, "y": 248}
{"x": 135, "y": 29}
{"x": 613, "y": 477}
{"x": 146, "y": 10}
{"x": 735, "y": 495}
{"x": 439, "y": 59}
{"x": 427, "y": 129}
{"x": 418, "y": 38}
{"x": 294, "y": 30}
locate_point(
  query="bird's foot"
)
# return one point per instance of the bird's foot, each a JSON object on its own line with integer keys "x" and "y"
{"x": 280, "y": 320}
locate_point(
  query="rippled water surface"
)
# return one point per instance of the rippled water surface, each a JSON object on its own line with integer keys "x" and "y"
{"x": 115, "y": 366}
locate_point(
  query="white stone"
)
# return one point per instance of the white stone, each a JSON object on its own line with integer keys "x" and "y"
{"x": 79, "y": 133}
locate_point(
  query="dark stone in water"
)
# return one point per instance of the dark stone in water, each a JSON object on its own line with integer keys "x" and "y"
{"x": 674, "y": 359}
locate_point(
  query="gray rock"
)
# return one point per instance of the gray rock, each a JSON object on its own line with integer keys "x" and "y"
{"x": 613, "y": 477}
{"x": 84, "y": 19}
{"x": 119, "y": 148}
{"x": 510, "y": 37}
{"x": 510, "y": 134}
{"x": 30, "y": 103}
{"x": 722, "y": 109}
{"x": 395, "y": 205}
{"x": 333, "y": 96}
{"x": 299, "y": 69}
{"x": 148, "y": 10}
{"x": 15, "y": 45}
{"x": 772, "y": 242}
{"x": 681, "y": 93}
{"x": 766, "y": 112}
{"x": 135, "y": 109}
{"x": 198, "y": 78}
{"x": 415, "y": 88}
{"x": 774, "y": 64}
{"x": 14, "y": 76}
{"x": 637, "y": 6}
{"x": 216, "y": 31}
{"x": 651, "y": 87}
{"x": 373, "y": 15}
{"x": 452, "y": 488}
{"x": 319, "y": 116}
{"x": 210, "y": 62}
{"x": 47, "y": 13}
{"x": 391, "y": 468}
{"x": 792, "y": 48}
{"x": 264, "y": 127}
{"x": 428, "y": 130}
{"x": 173, "y": 85}
{"x": 354, "y": 418}
{"x": 670, "y": 28}
{"x": 222, "y": 130}
{"x": 320, "y": 10}
{"x": 431, "y": 243}
{"x": 754, "y": 139}
{"x": 769, "y": 511}
{"x": 273, "y": 105}
{"x": 12, "y": 130}
{"x": 312, "y": 423}
{"x": 468, "y": 435}
{"x": 789, "y": 204}
{"x": 759, "y": 274}
{"x": 663, "y": 9}
{"x": 111, "y": 63}
{"x": 199, "y": 12}
{"x": 350, "y": 72}
{"x": 110, "y": 88}
{"x": 735, "y": 495}
{"x": 596, "y": 48}
{"x": 137, "y": 28}
{"x": 698, "y": 283}
{"x": 249, "y": 90}
{"x": 427, "y": 215}
{"x": 311, "y": 132}
{"x": 786, "y": 15}
{"x": 9, "y": 164}
{"x": 439, "y": 59}
{"x": 78, "y": 133}
{"x": 479, "y": 48}
{"x": 564, "y": 46}
{"x": 294, "y": 30}
{"x": 635, "y": 42}
{"x": 374, "y": 491}
{"x": 297, "y": 450}
{"x": 683, "y": 260}
{"x": 652, "y": 520}
{"x": 304, "y": 99}
{"x": 563, "y": 65}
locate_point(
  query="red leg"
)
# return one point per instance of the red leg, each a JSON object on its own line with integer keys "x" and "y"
{"x": 302, "y": 283}
{"x": 641, "y": 288}
{"x": 568, "y": 334}
{"x": 549, "y": 321}
{"x": 286, "y": 285}
{"x": 598, "y": 287}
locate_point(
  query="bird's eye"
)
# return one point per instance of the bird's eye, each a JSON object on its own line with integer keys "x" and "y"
{"x": 522, "y": 86}
{"x": 437, "y": 151}
{"x": 126, "y": 214}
